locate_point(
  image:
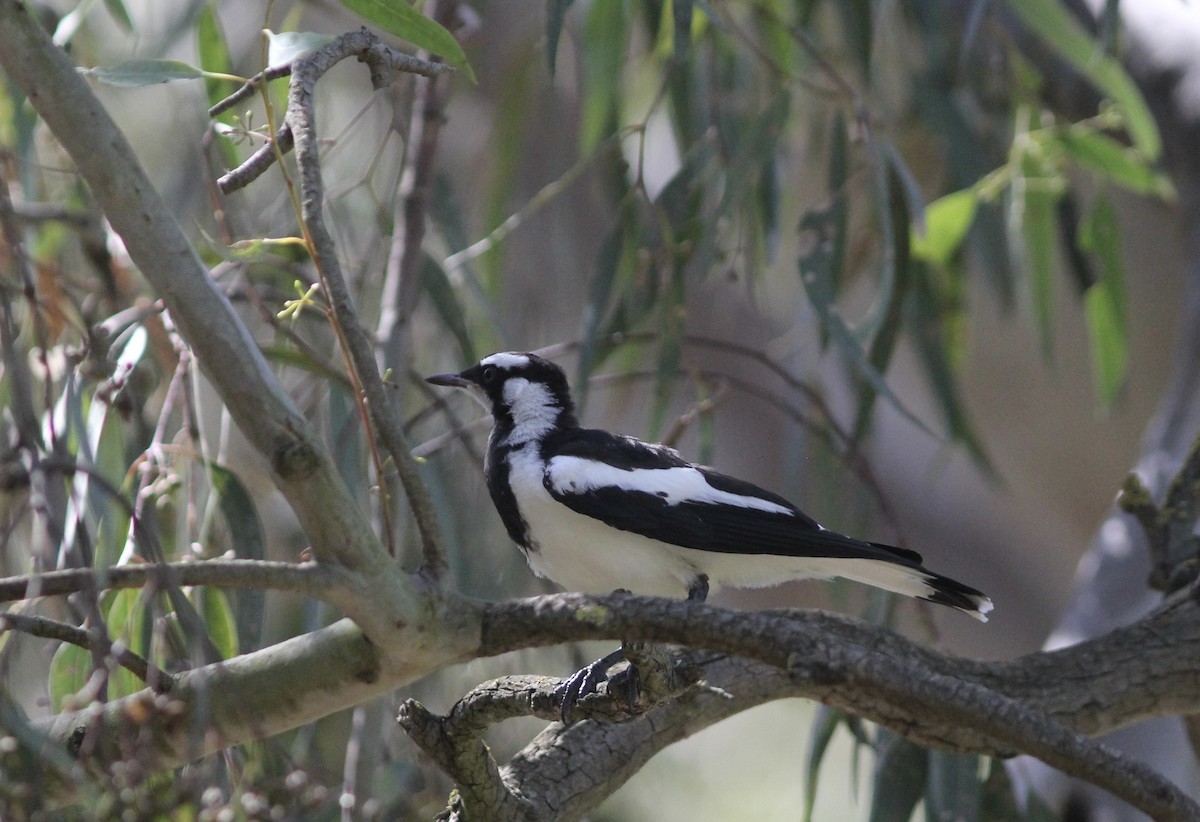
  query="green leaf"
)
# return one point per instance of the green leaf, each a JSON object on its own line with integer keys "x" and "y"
{"x": 681, "y": 14}
{"x": 887, "y": 332}
{"x": 1033, "y": 217}
{"x": 249, "y": 542}
{"x": 135, "y": 73}
{"x": 954, "y": 791}
{"x": 401, "y": 19}
{"x": 602, "y": 54}
{"x": 436, "y": 285}
{"x": 1051, "y": 21}
{"x": 125, "y": 616}
{"x": 1104, "y": 301}
{"x": 116, "y": 8}
{"x": 213, "y": 51}
{"x": 825, "y": 722}
{"x": 218, "y": 620}
{"x": 556, "y": 11}
{"x": 901, "y": 768}
{"x": 1123, "y": 165}
{"x": 816, "y": 232}
{"x": 614, "y": 251}
{"x": 69, "y": 671}
{"x": 947, "y": 220}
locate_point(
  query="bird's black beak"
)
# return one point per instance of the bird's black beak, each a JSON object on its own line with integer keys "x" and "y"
{"x": 453, "y": 380}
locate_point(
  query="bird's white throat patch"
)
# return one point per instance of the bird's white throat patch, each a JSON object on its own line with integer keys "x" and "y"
{"x": 534, "y": 409}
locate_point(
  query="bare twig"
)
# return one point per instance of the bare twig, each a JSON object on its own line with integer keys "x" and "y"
{"x": 382, "y": 60}
{"x": 383, "y": 415}
{"x": 47, "y": 628}
{"x": 305, "y": 578}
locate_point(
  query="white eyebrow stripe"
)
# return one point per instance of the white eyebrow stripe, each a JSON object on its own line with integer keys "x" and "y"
{"x": 576, "y": 475}
{"x": 507, "y": 359}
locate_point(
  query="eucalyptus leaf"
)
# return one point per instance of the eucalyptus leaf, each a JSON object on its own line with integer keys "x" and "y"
{"x": 249, "y": 542}
{"x": 401, "y": 19}
{"x": 901, "y": 771}
{"x": 556, "y": 11}
{"x": 1051, "y": 21}
{"x": 136, "y": 73}
{"x": 1104, "y": 301}
{"x": 954, "y": 791}
{"x": 1119, "y": 163}
{"x": 947, "y": 220}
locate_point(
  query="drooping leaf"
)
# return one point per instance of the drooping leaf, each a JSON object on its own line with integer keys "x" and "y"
{"x": 70, "y": 668}
{"x": 1051, "y": 21}
{"x": 1033, "y": 229}
{"x": 135, "y": 73}
{"x": 213, "y": 51}
{"x": 398, "y": 17}
{"x": 248, "y": 542}
{"x": 816, "y": 231}
{"x": 602, "y": 52}
{"x": 1104, "y": 301}
{"x": 218, "y": 619}
{"x": 1119, "y": 163}
{"x": 613, "y": 254}
{"x": 947, "y": 220}
{"x": 556, "y": 11}
{"x": 116, "y": 8}
{"x": 441, "y": 293}
{"x": 825, "y": 722}
{"x": 887, "y": 331}
{"x": 125, "y": 615}
{"x": 681, "y": 18}
{"x": 937, "y": 321}
{"x": 954, "y": 790}
{"x": 901, "y": 769}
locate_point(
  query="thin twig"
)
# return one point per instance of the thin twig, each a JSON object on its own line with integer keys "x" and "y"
{"x": 357, "y": 344}
{"x": 46, "y": 628}
{"x": 304, "y": 578}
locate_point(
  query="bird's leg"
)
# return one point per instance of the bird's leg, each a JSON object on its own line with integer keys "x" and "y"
{"x": 586, "y": 680}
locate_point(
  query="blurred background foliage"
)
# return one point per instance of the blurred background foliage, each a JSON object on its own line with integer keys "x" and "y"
{"x": 851, "y": 250}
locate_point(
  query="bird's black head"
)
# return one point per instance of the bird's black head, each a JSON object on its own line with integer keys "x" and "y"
{"x": 523, "y": 389}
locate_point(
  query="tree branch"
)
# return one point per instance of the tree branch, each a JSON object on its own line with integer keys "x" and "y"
{"x": 307, "y": 578}
{"x": 337, "y": 528}
{"x": 301, "y": 118}
{"x": 94, "y": 641}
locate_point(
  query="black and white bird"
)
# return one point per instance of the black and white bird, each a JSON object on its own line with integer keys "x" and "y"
{"x": 596, "y": 511}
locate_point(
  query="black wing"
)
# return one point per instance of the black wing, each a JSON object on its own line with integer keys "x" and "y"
{"x": 629, "y": 499}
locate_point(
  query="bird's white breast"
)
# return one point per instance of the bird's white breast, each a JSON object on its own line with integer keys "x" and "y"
{"x": 581, "y": 553}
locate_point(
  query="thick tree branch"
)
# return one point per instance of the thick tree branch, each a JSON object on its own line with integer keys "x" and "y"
{"x": 1145, "y": 670}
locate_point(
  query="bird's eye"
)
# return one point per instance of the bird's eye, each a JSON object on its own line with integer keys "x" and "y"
{"x": 489, "y": 373}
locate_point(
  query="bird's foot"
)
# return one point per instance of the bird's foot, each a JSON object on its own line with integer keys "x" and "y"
{"x": 586, "y": 681}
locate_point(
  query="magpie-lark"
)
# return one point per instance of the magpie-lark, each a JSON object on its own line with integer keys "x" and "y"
{"x": 595, "y": 511}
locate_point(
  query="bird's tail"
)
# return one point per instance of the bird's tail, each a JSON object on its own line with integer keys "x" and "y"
{"x": 920, "y": 583}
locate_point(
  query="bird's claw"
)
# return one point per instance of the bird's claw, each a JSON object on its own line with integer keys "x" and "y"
{"x": 585, "y": 681}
